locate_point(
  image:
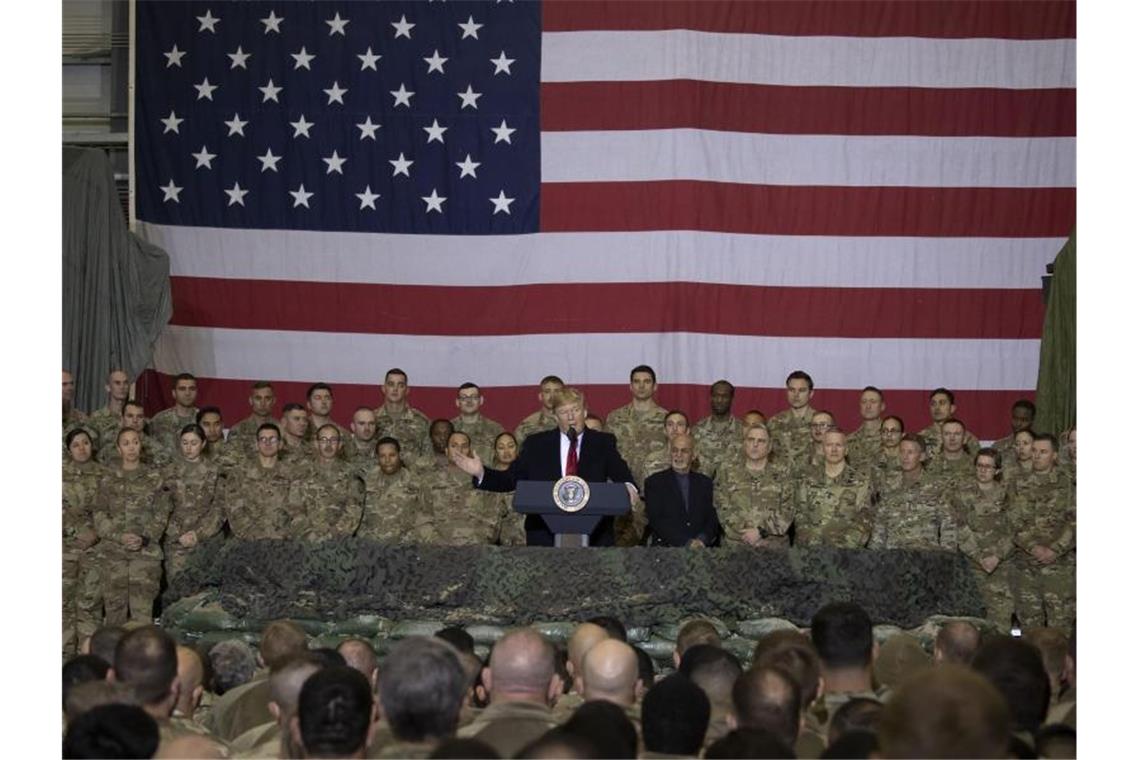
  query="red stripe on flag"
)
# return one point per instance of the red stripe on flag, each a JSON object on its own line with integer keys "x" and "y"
{"x": 986, "y": 413}
{"x": 686, "y": 103}
{"x": 1014, "y": 19}
{"x": 608, "y": 307}
{"x": 807, "y": 210}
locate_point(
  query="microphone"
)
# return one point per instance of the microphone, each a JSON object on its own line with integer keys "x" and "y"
{"x": 572, "y": 434}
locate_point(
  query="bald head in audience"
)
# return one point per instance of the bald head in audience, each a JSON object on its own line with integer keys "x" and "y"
{"x": 285, "y": 692}
{"x": 609, "y": 672}
{"x": 584, "y": 637}
{"x": 956, "y": 643}
{"x": 191, "y": 672}
{"x": 359, "y": 655}
{"x": 521, "y": 669}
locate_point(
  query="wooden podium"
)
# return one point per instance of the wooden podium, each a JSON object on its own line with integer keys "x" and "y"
{"x": 571, "y": 529}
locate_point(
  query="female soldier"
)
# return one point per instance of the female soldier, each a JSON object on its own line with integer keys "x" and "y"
{"x": 195, "y": 500}
{"x": 984, "y": 533}
{"x": 506, "y": 451}
{"x": 81, "y": 594}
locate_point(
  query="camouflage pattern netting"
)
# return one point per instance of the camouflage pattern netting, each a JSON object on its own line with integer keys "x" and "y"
{"x": 332, "y": 580}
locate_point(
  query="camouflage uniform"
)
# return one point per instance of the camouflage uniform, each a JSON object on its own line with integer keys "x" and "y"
{"x": 224, "y": 454}
{"x": 913, "y": 515}
{"x": 259, "y": 501}
{"x": 130, "y": 502}
{"x": 360, "y": 455}
{"x": 1012, "y": 472}
{"x": 718, "y": 441}
{"x": 453, "y": 513}
{"x": 482, "y": 433}
{"x": 166, "y": 426}
{"x": 331, "y": 496}
{"x": 763, "y": 499}
{"x": 954, "y": 472}
{"x": 82, "y": 595}
{"x": 195, "y": 493}
{"x": 409, "y": 427}
{"x": 153, "y": 453}
{"x": 535, "y": 423}
{"x": 636, "y": 433}
{"x": 833, "y": 511}
{"x": 983, "y": 531}
{"x": 243, "y": 435}
{"x": 863, "y": 447}
{"x": 391, "y": 503}
{"x": 105, "y": 423}
{"x": 1005, "y": 447}
{"x": 791, "y": 435}
{"x": 932, "y": 434}
{"x": 1043, "y": 511}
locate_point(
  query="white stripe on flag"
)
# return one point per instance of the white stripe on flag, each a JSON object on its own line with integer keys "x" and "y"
{"x": 680, "y": 256}
{"x": 811, "y": 61}
{"x": 835, "y": 160}
{"x": 598, "y": 358}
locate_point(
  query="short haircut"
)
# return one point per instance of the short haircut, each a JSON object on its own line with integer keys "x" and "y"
{"x": 388, "y": 441}
{"x": 329, "y": 426}
{"x": 958, "y": 641}
{"x": 857, "y": 713}
{"x": 286, "y": 682}
{"x": 1026, "y": 404}
{"x": 614, "y": 627}
{"x": 749, "y": 742}
{"x": 992, "y": 453}
{"x": 472, "y": 748}
{"x": 468, "y": 386}
{"x": 857, "y": 743}
{"x": 359, "y": 654}
{"x": 954, "y": 421}
{"x": 327, "y": 656}
{"x": 147, "y": 659}
{"x": 675, "y": 716}
{"x": 896, "y": 418}
{"x": 799, "y": 374}
{"x": 671, "y": 412}
{"x": 1016, "y": 670}
{"x": 104, "y": 641}
{"x": 458, "y": 637}
{"x": 842, "y": 634}
{"x": 280, "y": 641}
{"x": 551, "y": 379}
{"x": 334, "y": 712}
{"x": 135, "y": 403}
{"x": 454, "y": 433}
{"x": 207, "y": 410}
{"x": 643, "y": 368}
{"x": 114, "y": 730}
{"x": 731, "y": 387}
{"x": 646, "y": 670}
{"x": 180, "y": 377}
{"x": 260, "y": 384}
{"x": 82, "y": 669}
{"x": 270, "y": 426}
{"x": 317, "y": 387}
{"x": 874, "y": 390}
{"x": 699, "y": 631}
{"x": 607, "y": 725}
{"x": 560, "y": 742}
{"x": 292, "y": 406}
{"x": 1053, "y": 645}
{"x": 791, "y": 651}
{"x": 914, "y": 438}
{"x": 422, "y": 685}
{"x": 768, "y": 697}
{"x": 948, "y": 711}
{"x": 90, "y": 694}
{"x": 1052, "y": 439}
{"x": 396, "y": 371}
{"x": 944, "y": 392}
{"x": 714, "y": 670}
{"x": 232, "y": 663}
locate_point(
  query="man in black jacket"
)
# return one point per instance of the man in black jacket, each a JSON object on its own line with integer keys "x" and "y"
{"x": 679, "y": 502}
{"x": 571, "y": 449}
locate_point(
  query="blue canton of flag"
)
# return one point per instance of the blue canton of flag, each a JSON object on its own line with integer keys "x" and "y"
{"x": 373, "y": 117}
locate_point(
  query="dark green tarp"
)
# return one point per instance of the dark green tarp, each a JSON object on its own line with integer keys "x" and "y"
{"x": 1057, "y": 375}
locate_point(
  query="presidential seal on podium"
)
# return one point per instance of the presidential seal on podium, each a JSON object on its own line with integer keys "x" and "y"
{"x": 571, "y": 493}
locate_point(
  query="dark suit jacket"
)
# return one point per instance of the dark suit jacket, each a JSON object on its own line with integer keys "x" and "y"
{"x": 669, "y": 522}
{"x": 541, "y": 459}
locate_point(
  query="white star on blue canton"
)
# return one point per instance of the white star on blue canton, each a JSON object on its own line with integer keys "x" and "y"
{"x": 272, "y": 22}
{"x": 236, "y": 194}
{"x": 434, "y": 201}
{"x": 208, "y": 23}
{"x": 403, "y": 28}
{"x": 170, "y": 192}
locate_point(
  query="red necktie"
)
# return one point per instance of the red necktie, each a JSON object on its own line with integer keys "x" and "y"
{"x": 572, "y": 457}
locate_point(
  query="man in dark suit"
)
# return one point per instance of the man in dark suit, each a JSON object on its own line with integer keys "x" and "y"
{"x": 571, "y": 449}
{"x": 679, "y": 502}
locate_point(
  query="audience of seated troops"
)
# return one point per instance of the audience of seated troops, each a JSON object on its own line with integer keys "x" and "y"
{"x": 829, "y": 690}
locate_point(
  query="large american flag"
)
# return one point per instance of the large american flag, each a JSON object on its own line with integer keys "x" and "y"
{"x": 869, "y": 191}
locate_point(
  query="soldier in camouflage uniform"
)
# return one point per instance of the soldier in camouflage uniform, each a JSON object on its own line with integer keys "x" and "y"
{"x": 82, "y": 596}
{"x": 1021, "y": 417}
{"x": 216, "y": 450}
{"x": 154, "y": 453}
{"x": 506, "y": 451}
{"x": 718, "y": 435}
{"x": 439, "y": 431}
{"x": 296, "y": 443}
{"x": 812, "y": 457}
{"x": 833, "y": 502}
{"x": 912, "y": 511}
{"x": 544, "y": 418}
{"x": 359, "y": 448}
{"x": 942, "y": 408}
{"x": 951, "y": 462}
{"x": 107, "y": 420}
{"x": 397, "y": 419}
{"x": 754, "y": 495}
{"x": 319, "y": 402}
{"x": 984, "y": 535}
{"x": 482, "y": 431}
{"x": 791, "y": 428}
{"x": 330, "y": 491}
{"x": 242, "y": 436}
{"x": 166, "y": 426}
{"x": 1020, "y": 464}
{"x": 195, "y": 492}
{"x": 130, "y": 514}
{"x": 258, "y": 499}
{"x": 640, "y": 424}
{"x": 864, "y": 444}
{"x": 887, "y": 459}
{"x": 72, "y": 417}
{"x": 391, "y": 496}
{"x": 1043, "y": 514}
{"x": 453, "y": 513}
